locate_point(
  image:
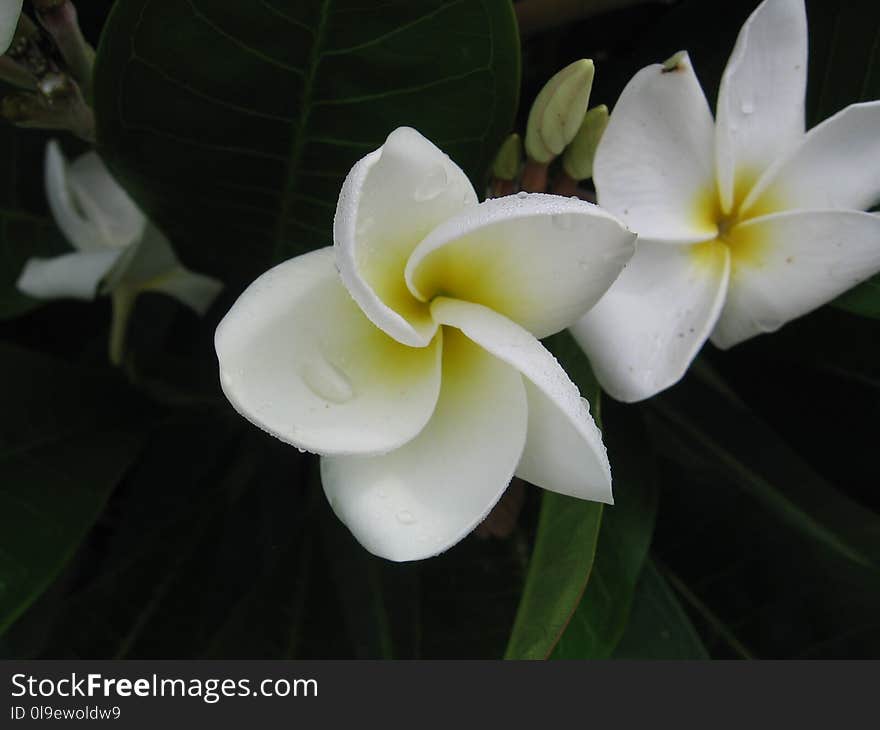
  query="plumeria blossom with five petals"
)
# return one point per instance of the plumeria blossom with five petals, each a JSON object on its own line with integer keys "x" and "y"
{"x": 407, "y": 354}
{"x": 744, "y": 223}
{"x": 10, "y": 11}
{"x": 118, "y": 251}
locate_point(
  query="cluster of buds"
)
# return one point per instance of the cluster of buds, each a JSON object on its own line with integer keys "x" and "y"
{"x": 559, "y": 125}
{"x": 51, "y": 66}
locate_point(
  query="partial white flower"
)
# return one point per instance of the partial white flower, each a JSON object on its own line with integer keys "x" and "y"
{"x": 10, "y": 10}
{"x": 407, "y": 355}
{"x": 745, "y": 223}
{"x": 117, "y": 250}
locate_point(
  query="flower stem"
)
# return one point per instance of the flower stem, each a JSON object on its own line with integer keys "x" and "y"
{"x": 123, "y": 303}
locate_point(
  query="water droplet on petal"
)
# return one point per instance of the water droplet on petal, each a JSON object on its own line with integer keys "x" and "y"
{"x": 405, "y": 517}
{"x": 522, "y": 194}
{"x": 326, "y": 381}
{"x": 747, "y": 107}
{"x": 434, "y": 183}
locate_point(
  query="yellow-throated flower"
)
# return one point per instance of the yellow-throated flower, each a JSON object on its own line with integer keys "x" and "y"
{"x": 407, "y": 355}
{"x": 744, "y": 223}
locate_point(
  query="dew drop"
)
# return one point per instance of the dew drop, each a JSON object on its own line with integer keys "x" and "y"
{"x": 562, "y": 221}
{"x": 522, "y": 194}
{"x": 327, "y": 381}
{"x": 405, "y": 517}
{"x": 434, "y": 183}
{"x": 747, "y": 107}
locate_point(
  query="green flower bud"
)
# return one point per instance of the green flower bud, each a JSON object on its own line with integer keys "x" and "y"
{"x": 558, "y": 111}
{"x": 507, "y": 161}
{"x": 579, "y": 155}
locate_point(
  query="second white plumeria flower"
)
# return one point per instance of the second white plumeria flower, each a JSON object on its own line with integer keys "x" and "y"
{"x": 745, "y": 223}
{"x": 407, "y": 355}
{"x": 118, "y": 251}
{"x": 10, "y": 11}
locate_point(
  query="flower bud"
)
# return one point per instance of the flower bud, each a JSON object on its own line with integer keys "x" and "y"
{"x": 558, "y": 111}
{"x": 507, "y": 161}
{"x": 579, "y": 155}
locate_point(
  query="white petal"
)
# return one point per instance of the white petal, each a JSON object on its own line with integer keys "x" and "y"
{"x": 90, "y": 208}
{"x": 644, "y": 332}
{"x": 9, "y": 12}
{"x": 104, "y": 200}
{"x": 761, "y": 98}
{"x": 564, "y": 450}
{"x": 73, "y": 275}
{"x": 389, "y": 202}
{"x": 300, "y": 360}
{"x": 541, "y": 260}
{"x": 147, "y": 260}
{"x": 196, "y": 291}
{"x": 836, "y": 166}
{"x": 798, "y": 262}
{"x": 655, "y": 166}
{"x": 424, "y": 497}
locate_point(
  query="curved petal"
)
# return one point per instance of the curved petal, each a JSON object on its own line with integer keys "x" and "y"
{"x": 837, "y": 165}
{"x": 82, "y": 232}
{"x": 300, "y": 360}
{"x": 541, "y": 260}
{"x": 427, "y": 495}
{"x": 9, "y": 12}
{"x": 761, "y": 97}
{"x": 800, "y": 260}
{"x": 564, "y": 450}
{"x": 196, "y": 291}
{"x": 104, "y": 201}
{"x": 655, "y": 166}
{"x": 644, "y": 332}
{"x": 147, "y": 260}
{"x": 75, "y": 275}
{"x": 389, "y": 202}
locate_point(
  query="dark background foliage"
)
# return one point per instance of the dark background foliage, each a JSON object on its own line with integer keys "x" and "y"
{"x": 140, "y": 517}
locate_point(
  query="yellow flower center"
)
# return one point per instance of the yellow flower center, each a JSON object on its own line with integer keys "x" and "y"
{"x": 746, "y": 245}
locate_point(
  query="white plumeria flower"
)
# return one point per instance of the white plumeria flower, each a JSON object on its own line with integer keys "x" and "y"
{"x": 118, "y": 251}
{"x": 745, "y": 223}
{"x": 10, "y": 10}
{"x": 407, "y": 354}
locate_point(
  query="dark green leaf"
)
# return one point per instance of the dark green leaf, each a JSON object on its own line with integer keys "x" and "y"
{"x": 379, "y": 600}
{"x": 711, "y": 420}
{"x": 22, "y": 237}
{"x": 68, "y": 437}
{"x": 755, "y": 584}
{"x": 602, "y": 614}
{"x": 206, "y": 554}
{"x": 658, "y": 627}
{"x": 565, "y": 545}
{"x": 234, "y": 123}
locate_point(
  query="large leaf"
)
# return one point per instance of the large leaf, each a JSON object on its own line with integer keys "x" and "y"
{"x": 378, "y": 599}
{"x": 565, "y": 544}
{"x": 658, "y": 626}
{"x": 726, "y": 435}
{"x": 753, "y": 581}
{"x": 234, "y": 123}
{"x": 206, "y": 553}
{"x": 22, "y": 237}
{"x": 67, "y": 439}
{"x": 603, "y": 611}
